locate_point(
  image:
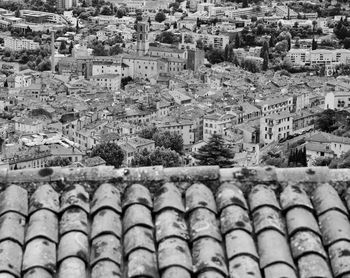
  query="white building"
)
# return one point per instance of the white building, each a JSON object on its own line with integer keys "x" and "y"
{"x": 276, "y": 105}
{"x": 275, "y": 127}
{"x": 337, "y": 100}
{"x": 14, "y": 44}
{"x": 183, "y": 128}
{"x": 108, "y": 81}
{"x": 216, "y": 41}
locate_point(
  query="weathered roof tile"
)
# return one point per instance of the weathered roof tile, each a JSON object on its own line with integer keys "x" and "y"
{"x": 326, "y": 198}
{"x": 106, "y": 221}
{"x": 203, "y": 223}
{"x": 273, "y": 248}
{"x": 268, "y": 218}
{"x": 174, "y": 252}
{"x": 40, "y": 253}
{"x": 105, "y": 247}
{"x": 10, "y": 257}
{"x": 244, "y": 266}
{"x": 168, "y": 196}
{"x": 75, "y": 195}
{"x": 239, "y": 242}
{"x": 137, "y": 194}
{"x": 279, "y": 270}
{"x": 339, "y": 254}
{"x": 334, "y": 226}
{"x": 207, "y": 253}
{"x": 36, "y": 272}
{"x": 301, "y": 219}
{"x": 74, "y": 219}
{"x": 305, "y": 242}
{"x": 199, "y": 196}
{"x": 14, "y": 198}
{"x": 260, "y": 196}
{"x": 12, "y": 227}
{"x": 43, "y": 223}
{"x": 137, "y": 214}
{"x": 170, "y": 223}
{"x": 142, "y": 263}
{"x": 73, "y": 244}
{"x": 294, "y": 196}
{"x": 72, "y": 267}
{"x": 229, "y": 194}
{"x": 176, "y": 272}
{"x": 312, "y": 265}
{"x": 234, "y": 217}
{"x": 105, "y": 269}
{"x": 44, "y": 197}
{"x": 106, "y": 196}
{"x": 138, "y": 237}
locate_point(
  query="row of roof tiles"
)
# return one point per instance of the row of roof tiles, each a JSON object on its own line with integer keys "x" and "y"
{"x": 174, "y": 233}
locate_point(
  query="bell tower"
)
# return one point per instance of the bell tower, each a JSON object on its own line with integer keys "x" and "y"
{"x": 142, "y": 38}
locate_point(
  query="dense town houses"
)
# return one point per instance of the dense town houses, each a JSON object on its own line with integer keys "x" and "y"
{"x": 85, "y": 73}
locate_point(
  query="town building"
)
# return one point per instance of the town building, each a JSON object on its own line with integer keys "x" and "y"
{"x": 15, "y": 44}
{"x": 275, "y": 127}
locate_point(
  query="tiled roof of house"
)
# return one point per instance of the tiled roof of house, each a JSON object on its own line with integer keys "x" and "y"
{"x": 200, "y": 222}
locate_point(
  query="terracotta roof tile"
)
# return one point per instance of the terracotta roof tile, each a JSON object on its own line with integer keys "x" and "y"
{"x": 205, "y": 223}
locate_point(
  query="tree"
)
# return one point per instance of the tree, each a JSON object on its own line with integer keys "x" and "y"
{"x": 314, "y": 44}
{"x": 215, "y": 56}
{"x": 265, "y": 64}
{"x": 6, "y": 84}
{"x": 121, "y": 12}
{"x": 18, "y": 13}
{"x": 58, "y": 161}
{"x": 71, "y": 46}
{"x": 167, "y": 37}
{"x": 245, "y": 4}
{"x": 109, "y": 152}
{"x": 159, "y": 156}
{"x": 215, "y": 153}
{"x": 238, "y": 41}
{"x": 148, "y": 132}
{"x": 168, "y": 140}
{"x": 160, "y": 17}
{"x": 77, "y": 26}
{"x": 347, "y": 43}
{"x": 125, "y": 81}
{"x": 63, "y": 46}
{"x": 115, "y": 50}
{"x": 322, "y": 161}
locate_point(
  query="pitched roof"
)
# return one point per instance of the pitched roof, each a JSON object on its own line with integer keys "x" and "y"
{"x": 324, "y": 137}
{"x": 175, "y": 222}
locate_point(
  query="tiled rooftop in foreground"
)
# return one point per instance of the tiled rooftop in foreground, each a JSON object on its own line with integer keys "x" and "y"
{"x": 153, "y": 222}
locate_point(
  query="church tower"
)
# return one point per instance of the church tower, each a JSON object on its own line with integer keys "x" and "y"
{"x": 142, "y": 38}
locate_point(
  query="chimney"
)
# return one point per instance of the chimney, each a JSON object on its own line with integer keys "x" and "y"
{"x": 53, "y": 51}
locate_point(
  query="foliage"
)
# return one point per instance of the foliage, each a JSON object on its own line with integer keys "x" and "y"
{"x": 166, "y": 139}
{"x": 276, "y": 159}
{"x": 215, "y": 153}
{"x": 314, "y": 44}
{"x": 58, "y": 161}
{"x": 125, "y": 81}
{"x": 159, "y": 156}
{"x": 297, "y": 158}
{"x": 322, "y": 161}
{"x": 109, "y": 152}
{"x": 167, "y": 37}
{"x": 342, "y": 162}
{"x": 330, "y": 120}
{"x": 160, "y": 17}
{"x": 215, "y": 56}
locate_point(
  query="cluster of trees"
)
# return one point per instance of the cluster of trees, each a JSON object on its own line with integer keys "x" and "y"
{"x": 168, "y": 37}
{"x": 160, "y": 16}
{"x": 37, "y": 59}
{"x": 159, "y": 156}
{"x": 342, "y": 31}
{"x": 215, "y": 152}
{"x": 297, "y": 158}
{"x": 332, "y": 121}
{"x": 104, "y": 49}
{"x": 109, "y": 152}
{"x": 164, "y": 139}
{"x": 338, "y": 162}
{"x": 38, "y": 5}
{"x": 58, "y": 161}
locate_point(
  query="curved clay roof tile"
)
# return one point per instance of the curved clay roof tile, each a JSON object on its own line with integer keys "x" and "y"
{"x": 295, "y": 196}
{"x": 106, "y": 196}
{"x": 72, "y": 267}
{"x": 14, "y": 198}
{"x": 229, "y": 194}
{"x": 106, "y": 221}
{"x": 135, "y": 215}
{"x": 105, "y": 268}
{"x": 44, "y": 197}
{"x": 174, "y": 252}
{"x": 244, "y": 266}
{"x": 301, "y": 219}
{"x": 312, "y": 265}
{"x": 168, "y": 196}
{"x": 233, "y": 218}
{"x": 74, "y": 219}
{"x": 137, "y": 194}
{"x": 75, "y": 196}
{"x": 12, "y": 226}
{"x": 138, "y": 237}
{"x": 105, "y": 247}
{"x": 261, "y": 196}
{"x": 43, "y": 223}
{"x": 11, "y": 257}
{"x": 200, "y": 196}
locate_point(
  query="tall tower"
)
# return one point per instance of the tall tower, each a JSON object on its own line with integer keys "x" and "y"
{"x": 142, "y": 38}
{"x": 53, "y": 51}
